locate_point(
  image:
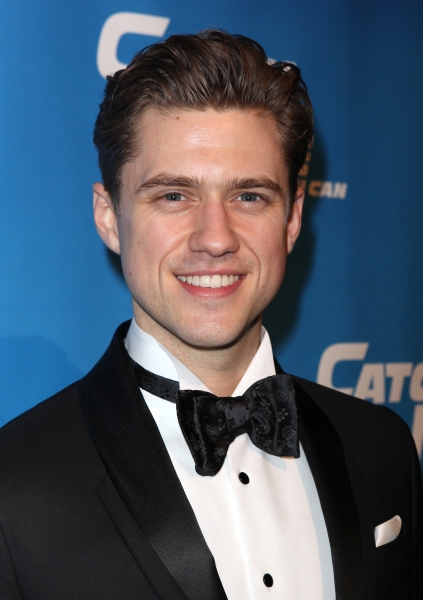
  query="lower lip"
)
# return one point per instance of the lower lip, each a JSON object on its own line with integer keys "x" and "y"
{"x": 206, "y": 292}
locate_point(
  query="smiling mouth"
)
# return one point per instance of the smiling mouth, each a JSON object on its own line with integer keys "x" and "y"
{"x": 209, "y": 281}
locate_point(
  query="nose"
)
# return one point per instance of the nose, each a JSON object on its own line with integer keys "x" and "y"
{"x": 212, "y": 229}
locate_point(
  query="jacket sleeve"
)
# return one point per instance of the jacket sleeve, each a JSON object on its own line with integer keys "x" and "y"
{"x": 9, "y": 586}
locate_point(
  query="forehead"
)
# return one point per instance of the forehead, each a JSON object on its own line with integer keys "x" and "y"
{"x": 209, "y": 145}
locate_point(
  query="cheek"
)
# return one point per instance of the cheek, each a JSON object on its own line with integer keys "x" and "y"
{"x": 271, "y": 254}
{"x": 143, "y": 250}
{"x": 272, "y": 251}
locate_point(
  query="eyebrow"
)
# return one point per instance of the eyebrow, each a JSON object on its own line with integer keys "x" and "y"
{"x": 179, "y": 181}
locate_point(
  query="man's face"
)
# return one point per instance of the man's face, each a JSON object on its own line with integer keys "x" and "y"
{"x": 203, "y": 229}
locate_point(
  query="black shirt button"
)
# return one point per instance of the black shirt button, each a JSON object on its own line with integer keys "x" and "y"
{"x": 243, "y": 477}
{"x": 268, "y": 580}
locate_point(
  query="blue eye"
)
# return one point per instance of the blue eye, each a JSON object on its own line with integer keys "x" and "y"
{"x": 173, "y": 196}
{"x": 249, "y": 197}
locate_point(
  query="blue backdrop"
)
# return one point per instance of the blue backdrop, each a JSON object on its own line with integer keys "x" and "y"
{"x": 349, "y": 312}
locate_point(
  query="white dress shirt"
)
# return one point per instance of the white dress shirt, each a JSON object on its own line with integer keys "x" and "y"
{"x": 271, "y": 525}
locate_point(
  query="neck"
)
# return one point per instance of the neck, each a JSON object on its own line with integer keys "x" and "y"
{"x": 220, "y": 369}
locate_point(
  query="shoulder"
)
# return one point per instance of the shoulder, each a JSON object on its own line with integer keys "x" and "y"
{"x": 53, "y": 437}
{"x": 365, "y": 429}
{"x": 40, "y": 421}
{"x": 340, "y": 406}
{"x": 45, "y": 441}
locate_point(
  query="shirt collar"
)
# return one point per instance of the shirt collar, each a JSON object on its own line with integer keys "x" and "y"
{"x": 153, "y": 356}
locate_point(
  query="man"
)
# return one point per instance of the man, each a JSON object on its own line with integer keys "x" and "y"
{"x": 190, "y": 488}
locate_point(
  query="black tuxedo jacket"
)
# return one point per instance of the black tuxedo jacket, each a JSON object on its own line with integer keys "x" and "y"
{"x": 91, "y": 507}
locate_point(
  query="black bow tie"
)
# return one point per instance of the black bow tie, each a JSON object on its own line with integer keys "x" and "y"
{"x": 266, "y": 411}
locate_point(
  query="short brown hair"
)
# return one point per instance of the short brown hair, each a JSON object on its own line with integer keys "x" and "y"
{"x": 212, "y": 69}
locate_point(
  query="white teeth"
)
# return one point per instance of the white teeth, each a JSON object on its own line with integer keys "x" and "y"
{"x": 205, "y": 281}
{"x": 209, "y": 281}
{"x": 216, "y": 281}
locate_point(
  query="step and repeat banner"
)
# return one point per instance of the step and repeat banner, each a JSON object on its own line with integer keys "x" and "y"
{"x": 349, "y": 314}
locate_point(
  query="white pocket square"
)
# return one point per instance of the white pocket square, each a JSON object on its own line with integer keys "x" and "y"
{"x": 388, "y": 531}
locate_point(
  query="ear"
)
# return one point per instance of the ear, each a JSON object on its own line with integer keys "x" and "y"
{"x": 105, "y": 218}
{"x": 293, "y": 225}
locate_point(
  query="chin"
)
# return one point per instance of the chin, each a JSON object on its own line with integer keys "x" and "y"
{"x": 212, "y": 337}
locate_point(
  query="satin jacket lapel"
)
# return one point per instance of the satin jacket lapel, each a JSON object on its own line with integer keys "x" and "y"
{"x": 152, "y": 567}
{"x": 325, "y": 456}
{"x": 140, "y": 468}
{"x": 326, "y": 459}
